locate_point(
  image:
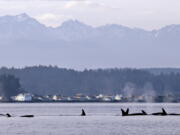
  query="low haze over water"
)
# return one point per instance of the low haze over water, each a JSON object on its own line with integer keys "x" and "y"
{"x": 102, "y": 119}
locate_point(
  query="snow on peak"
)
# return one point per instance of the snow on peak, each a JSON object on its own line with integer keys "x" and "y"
{"x": 22, "y": 17}
{"x": 74, "y": 24}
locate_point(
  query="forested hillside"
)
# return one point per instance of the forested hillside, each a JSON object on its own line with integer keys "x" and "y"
{"x": 9, "y": 86}
{"x": 53, "y": 80}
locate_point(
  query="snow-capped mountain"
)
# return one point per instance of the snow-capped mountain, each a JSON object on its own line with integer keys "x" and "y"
{"x": 75, "y": 44}
{"x": 20, "y": 26}
{"x": 74, "y": 30}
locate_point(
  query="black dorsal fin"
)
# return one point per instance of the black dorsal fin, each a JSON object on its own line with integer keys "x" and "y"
{"x": 144, "y": 112}
{"x": 123, "y": 112}
{"x": 127, "y": 111}
{"x": 8, "y": 115}
{"x": 83, "y": 113}
{"x": 164, "y": 112}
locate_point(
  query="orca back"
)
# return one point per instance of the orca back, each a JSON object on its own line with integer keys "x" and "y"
{"x": 8, "y": 115}
{"x": 28, "y": 116}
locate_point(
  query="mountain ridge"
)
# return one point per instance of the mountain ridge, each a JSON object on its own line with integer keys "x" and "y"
{"x": 77, "y": 45}
{"x": 76, "y": 25}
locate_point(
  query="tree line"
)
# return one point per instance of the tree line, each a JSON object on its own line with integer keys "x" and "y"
{"x": 9, "y": 86}
{"x": 44, "y": 80}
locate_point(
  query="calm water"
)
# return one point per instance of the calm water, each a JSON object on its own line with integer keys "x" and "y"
{"x": 101, "y": 119}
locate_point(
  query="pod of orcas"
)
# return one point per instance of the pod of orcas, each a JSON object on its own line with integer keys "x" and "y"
{"x": 9, "y": 115}
{"x": 124, "y": 113}
{"x": 30, "y": 116}
{"x": 142, "y": 113}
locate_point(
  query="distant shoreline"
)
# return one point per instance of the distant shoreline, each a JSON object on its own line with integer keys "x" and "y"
{"x": 82, "y": 102}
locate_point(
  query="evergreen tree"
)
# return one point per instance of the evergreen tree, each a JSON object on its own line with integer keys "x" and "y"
{"x": 9, "y": 86}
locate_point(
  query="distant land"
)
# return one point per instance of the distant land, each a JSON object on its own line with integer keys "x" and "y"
{"x": 25, "y": 41}
{"x": 50, "y": 80}
{"x": 88, "y": 53}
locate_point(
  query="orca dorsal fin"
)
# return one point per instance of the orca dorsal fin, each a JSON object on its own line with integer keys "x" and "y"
{"x": 8, "y": 115}
{"x": 144, "y": 112}
{"x": 83, "y": 113}
{"x": 164, "y": 112}
{"x": 123, "y": 112}
{"x": 127, "y": 111}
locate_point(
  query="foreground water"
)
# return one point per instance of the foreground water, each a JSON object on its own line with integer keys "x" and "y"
{"x": 101, "y": 119}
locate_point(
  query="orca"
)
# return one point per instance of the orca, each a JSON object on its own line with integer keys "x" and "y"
{"x": 29, "y": 116}
{"x": 126, "y": 113}
{"x": 83, "y": 113}
{"x": 8, "y": 115}
{"x": 169, "y": 113}
{"x": 163, "y": 113}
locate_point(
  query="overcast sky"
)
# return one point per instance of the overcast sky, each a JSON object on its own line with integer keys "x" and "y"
{"x": 147, "y": 14}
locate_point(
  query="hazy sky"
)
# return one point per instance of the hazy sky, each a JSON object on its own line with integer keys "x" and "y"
{"x": 148, "y": 14}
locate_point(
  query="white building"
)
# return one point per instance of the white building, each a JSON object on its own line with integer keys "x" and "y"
{"x": 107, "y": 99}
{"x": 118, "y": 97}
{"x": 23, "y": 97}
{"x": 100, "y": 96}
{"x": 56, "y": 98}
